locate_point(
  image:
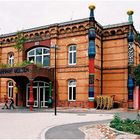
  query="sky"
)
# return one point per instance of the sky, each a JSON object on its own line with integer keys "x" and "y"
{"x": 25, "y": 14}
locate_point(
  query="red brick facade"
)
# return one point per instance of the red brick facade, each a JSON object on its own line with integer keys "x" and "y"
{"x": 111, "y": 50}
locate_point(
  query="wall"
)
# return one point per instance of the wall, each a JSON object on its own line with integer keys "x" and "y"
{"x": 79, "y": 72}
{"x": 115, "y": 58}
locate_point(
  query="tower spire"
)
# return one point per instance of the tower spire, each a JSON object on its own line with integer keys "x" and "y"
{"x": 130, "y": 17}
{"x": 91, "y": 8}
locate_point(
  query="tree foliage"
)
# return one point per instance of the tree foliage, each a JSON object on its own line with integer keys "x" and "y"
{"x": 137, "y": 37}
{"x": 137, "y": 74}
{"x": 20, "y": 41}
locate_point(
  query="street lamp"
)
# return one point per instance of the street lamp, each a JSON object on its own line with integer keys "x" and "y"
{"x": 55, "y": 109}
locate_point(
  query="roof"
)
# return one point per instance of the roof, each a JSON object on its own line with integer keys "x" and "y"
{"x": 64, "y": 24}
{"x": 116, "y": 25}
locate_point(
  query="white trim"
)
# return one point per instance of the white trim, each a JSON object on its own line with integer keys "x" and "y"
{"x": 91, "y": 98}
{"x": 43, "y": 103}
{"x": 72, "y": 52}
{"x": 72, "y": 86}
{"x": 10, "y": 89}
{"x": 11, "y": 59}
{"x": 41, "y": 55}
{"x": 38, "y": 87}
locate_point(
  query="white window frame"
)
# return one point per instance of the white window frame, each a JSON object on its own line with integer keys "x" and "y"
{"x": 72, "y": 86}
{"x": 37, "y": 87}
{"x": 42, "y": 55}
{"x": 11, "y": 59}
{"x": 72, "y": 52}
{"x": 10, "y": 89}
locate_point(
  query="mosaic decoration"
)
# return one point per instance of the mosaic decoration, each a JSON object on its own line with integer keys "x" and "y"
{"x": 91, "y": 52}
{"x": 130, "y": 83}
{"x": 130, "y": 54}
{"x": 130, "y": 87}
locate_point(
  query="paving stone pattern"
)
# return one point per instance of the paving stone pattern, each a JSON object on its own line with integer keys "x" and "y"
{"x": 103, "y": 131}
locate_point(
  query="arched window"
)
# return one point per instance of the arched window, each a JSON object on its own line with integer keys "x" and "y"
{"x": 71, "y": 90}
{"x": 10, "y": 88}
{"x": 11, "y": 59}
{"x": 72, "y": 55}
{"x": 40, "y": 55}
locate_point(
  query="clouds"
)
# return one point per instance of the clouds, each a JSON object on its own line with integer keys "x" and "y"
{"x": 23, "y": 14}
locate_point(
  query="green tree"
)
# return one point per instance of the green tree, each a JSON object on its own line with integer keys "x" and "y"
{"x": 137, "y": 74}
{"x": 19, "y": 45}
{"x": 137, "y": 37}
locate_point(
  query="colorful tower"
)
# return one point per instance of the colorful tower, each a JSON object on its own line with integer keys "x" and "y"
{"x": 91, "y": 55}
{"x": 130, "y": 83}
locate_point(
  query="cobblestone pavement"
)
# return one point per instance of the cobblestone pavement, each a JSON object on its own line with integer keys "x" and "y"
{"x": 103, "y": 131}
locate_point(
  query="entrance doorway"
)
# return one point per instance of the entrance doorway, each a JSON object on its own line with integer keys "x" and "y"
{"x": 40, "y": 93}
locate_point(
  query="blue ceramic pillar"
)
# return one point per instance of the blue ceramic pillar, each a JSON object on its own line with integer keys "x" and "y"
{"x": 91, "y": 55}
{"x": 130, "y": 82}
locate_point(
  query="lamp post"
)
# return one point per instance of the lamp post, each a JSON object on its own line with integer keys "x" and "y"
{"x": 55, "y": 109}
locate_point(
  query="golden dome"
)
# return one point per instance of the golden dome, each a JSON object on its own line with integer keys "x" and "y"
{"x": 91, "y": 7}
{"x": 130, "y": 12}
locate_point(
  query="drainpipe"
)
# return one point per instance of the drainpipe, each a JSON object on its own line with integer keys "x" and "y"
{"x": 101, "y": 64}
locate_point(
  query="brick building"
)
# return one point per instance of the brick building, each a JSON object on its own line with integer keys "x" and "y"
{"x": 89, "y": 59}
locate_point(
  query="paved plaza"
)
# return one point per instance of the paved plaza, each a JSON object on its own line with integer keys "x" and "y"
{"x": 23, "y": 124}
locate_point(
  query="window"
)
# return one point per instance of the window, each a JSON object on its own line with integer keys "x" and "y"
{"x": 39, "y": 55}
{"x": 72, "y": 55}
{"x": 11, "y": 59}
{"x": 72, "y": 90}
{"x": 10, "y": 89}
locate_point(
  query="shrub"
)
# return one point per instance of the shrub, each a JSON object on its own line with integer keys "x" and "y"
{"x": 4, "y": 65}
{"x": 126, "y": 125}
{"x": 23, "y": 64}
{"x": 116, "y": 119}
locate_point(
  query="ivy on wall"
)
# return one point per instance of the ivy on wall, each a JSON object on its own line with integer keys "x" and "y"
{"x": 20, "y": 41}
{"x": 19, "y": 44}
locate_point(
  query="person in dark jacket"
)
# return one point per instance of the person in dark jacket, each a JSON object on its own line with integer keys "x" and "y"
{"x": 11, "y": 103}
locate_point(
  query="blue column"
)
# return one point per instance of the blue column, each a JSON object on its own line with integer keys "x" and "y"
{"x": 130, "y": 82}
{"x": 91, "y": 55}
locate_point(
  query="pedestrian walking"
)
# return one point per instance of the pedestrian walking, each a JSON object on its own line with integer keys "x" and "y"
{"x": 5, "y": 102}
{"x": 11, "y": 103}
